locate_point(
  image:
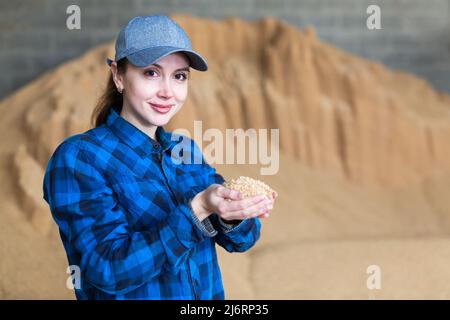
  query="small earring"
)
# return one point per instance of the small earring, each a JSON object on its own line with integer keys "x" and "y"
{"x": 120, "y": 90}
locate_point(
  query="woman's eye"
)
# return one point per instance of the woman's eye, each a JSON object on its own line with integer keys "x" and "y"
{"x": 151, "y": 73}
{"x": 181, "y": 76}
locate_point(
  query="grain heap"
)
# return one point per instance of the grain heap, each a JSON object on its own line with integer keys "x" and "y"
{"x": 249, "y": 187}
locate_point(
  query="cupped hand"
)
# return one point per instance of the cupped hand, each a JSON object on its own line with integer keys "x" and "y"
{"x": 229, "y": 205}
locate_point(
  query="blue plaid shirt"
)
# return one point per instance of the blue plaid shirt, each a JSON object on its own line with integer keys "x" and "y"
{"x": 121, "y": 201}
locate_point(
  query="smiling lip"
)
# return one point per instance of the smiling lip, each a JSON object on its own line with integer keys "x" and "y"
{"x": 161, "y": 108}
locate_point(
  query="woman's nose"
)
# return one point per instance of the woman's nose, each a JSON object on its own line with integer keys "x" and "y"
{"x": 165, "y": 90}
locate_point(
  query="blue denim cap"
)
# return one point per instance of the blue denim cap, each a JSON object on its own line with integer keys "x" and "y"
{"x": 144, "y": 40}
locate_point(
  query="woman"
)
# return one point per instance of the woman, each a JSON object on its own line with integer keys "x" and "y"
{"x": 138, "y": 224}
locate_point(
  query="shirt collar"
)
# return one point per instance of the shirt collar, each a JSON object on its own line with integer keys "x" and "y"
{"x": 135, "y": 138}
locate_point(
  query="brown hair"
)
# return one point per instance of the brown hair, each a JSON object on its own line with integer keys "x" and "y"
{"x": 109, "y": 98}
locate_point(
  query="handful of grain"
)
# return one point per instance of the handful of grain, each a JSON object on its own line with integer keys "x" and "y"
{"x": 249, "y": 187}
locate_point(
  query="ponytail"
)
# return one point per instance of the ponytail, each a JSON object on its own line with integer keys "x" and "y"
{"x": 110, "y": 97}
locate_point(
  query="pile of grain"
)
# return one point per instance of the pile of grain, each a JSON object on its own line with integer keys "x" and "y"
{"x": 249, "y": 187}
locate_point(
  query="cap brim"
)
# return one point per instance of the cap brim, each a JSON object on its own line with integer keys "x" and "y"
{"x": 149, "y": 56}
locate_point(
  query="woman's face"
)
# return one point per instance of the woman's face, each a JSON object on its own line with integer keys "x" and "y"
{"x": 154, "y": 94}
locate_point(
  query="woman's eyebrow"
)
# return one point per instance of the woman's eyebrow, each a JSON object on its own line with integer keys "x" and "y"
{"x": 181, "y": 69}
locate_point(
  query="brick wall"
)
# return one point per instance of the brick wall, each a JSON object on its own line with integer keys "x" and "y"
{"x": 415, "y": 34}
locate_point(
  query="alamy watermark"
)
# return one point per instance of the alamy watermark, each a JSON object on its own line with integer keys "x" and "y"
{"x": 74, "y": 280}
{"x": 221, "y": 147}
{"x": 73, "y": 21}
{"x": 373, "y": 21}
{"x": 373, "y": 282}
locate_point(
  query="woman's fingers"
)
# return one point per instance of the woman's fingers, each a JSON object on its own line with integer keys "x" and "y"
{"x": 251, "y": 211}
{"x": 256, "y": 206}
{"x": 228, "y": 193}
{"x": 244, "y": 203}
